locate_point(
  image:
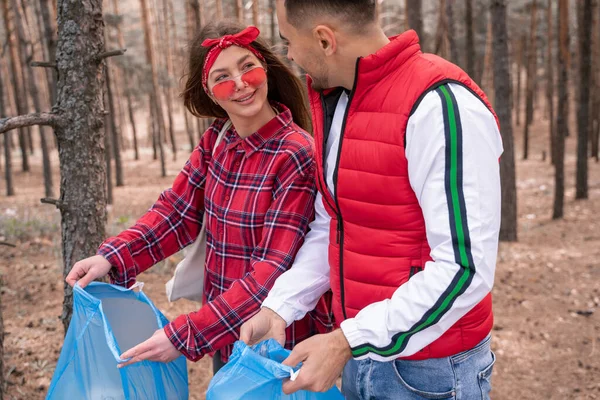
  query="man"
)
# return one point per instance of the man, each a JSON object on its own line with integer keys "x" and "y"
{"x": 407, "y": 216}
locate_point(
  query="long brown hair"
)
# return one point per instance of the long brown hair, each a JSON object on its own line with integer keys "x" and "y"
{"x": 284, "y": 86}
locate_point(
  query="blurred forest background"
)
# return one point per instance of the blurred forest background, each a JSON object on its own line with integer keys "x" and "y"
{"x": 92, "y": 124}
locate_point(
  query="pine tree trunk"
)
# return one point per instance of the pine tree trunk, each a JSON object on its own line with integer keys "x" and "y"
{"x": 24, "y": 54}
{"x": 487, "y": 79}
{"x": 50, "y": 44}
{"x": 531, "y": 72}
{"x": 155, "y": 95}
{"x": 19, "y": 92}
{"x": 115, "y": 150}
{"x": 239, "y": 10}
{"x": 37, "y": 105}
{"x": 454, "y": 53}
{"x": 441, "y": 36}
{"x": 168, "y": 89}
{"x": 470, "y": 40}
{"x": 10, "y": 189}
{"x": 508, "y": 228}
{"x": 81, "y": 134}
{"x": 272, "y": 11}
{"x": 583, "y": 117}
{"x": 255, "y": 12}
{"x": 519, "y": 77}
{"x": 562, "y": 111}
{"x": 595, "y": 106}
{"x": 219, "y": 7}
{"x": 108, "y": 139}
{"x": 414, "y": 17}
{"x": 126, "y": 88}
{"x": 550, "y": 81}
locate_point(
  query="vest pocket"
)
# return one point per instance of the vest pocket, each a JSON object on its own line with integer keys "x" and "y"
{"x": 414, "y": 270}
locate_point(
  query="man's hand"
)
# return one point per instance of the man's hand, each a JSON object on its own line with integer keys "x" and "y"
{"x": 323, "y": 358}
{"x": 85, "y": 271}
{"x": 265, "y": 325}
{"x": 157, "y": 348}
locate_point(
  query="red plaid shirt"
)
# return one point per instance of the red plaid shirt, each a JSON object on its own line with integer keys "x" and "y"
{"x": 258, "y": 194}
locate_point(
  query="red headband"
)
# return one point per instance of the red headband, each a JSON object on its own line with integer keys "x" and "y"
{"x": 242, "y": 39}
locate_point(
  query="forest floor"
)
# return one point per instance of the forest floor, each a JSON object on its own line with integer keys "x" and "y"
{"x": 546, "y": 297}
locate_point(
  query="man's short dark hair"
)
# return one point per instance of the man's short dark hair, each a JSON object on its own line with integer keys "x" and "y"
{"x": 357, "y": 13}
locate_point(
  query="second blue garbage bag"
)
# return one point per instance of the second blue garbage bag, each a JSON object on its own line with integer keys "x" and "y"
{"x": 108, "y": 320}
{"x": 256, "y": 373}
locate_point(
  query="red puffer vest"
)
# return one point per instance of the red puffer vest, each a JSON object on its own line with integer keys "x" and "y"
{"x": 377, "y": 234}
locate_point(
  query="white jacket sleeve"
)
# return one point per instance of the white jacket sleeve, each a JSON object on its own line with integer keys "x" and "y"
{"x": 297, "y": 291}
{"x": 452, "y": 145}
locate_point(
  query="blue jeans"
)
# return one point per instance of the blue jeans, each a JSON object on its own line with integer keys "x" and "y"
{"x": 464, "y": 376}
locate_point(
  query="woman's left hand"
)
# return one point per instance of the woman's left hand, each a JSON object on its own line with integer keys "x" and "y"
{"x": 157, "y": 348}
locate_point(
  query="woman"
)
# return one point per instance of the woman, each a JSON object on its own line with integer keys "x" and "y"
{"x": 257, "y": 190}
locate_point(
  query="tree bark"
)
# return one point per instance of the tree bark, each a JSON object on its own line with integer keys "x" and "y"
{"x": 255, "y": 12}
{"x": 470, "y": 40}
{"x": 10, "y": 189}
{"x": 108, "y": 139}
{"x": 24, "y": 54}
{"x": 441, "y": 36}
{"x": 115, "y": 150}
{"x": 487, "y": 77}
{"x": 550, "y": 81}
{"x": 562, "y": 111}
{"x": 155, "y": 102}
{"x": 531, "y": 76}
{"x": 19, "y": 92}
{"x": 595, "y": 139}
{"x": 272, "y": 12}
{"x": 80, "y": 134}
{"x": 508, "y": 227}
{"x": 239, "y": 10}
{"x": 50, "y": 44}
{"x": 519, "y": 77}
{"x": 414, "y": 18}
{"x": 219, "y": 7}
{"x": 583, "y": 117}
{"x": 450, "y": 32}
{"x": 169, "y": 89}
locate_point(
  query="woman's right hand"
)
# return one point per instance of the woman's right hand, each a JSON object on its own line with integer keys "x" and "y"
{"x": 85, "y": 271}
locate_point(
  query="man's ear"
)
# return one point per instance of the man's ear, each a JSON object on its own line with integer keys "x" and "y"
{"x": 326, "y": 38}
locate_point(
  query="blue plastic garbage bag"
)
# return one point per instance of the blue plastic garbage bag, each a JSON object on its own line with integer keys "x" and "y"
{"x": 256, "y": 373}
{"x": 108, "y": 320}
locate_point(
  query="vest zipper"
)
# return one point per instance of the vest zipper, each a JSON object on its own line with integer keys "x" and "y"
{"x": 340, "y": 228}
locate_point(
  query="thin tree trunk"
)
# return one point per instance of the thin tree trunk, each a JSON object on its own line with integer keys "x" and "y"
{"x": 10, "y": 189}
{"x": 441, "y": 36}
{"x": 239, "y": 10}
{"x": 255, "y": 12}
{"x": 108, "y": 154}
{"x": 50, "y": 44}
{"x": 19, "y": 93}
{"x": 531, "y": 72}
{"x": 470, "y": 40}
{"x": 115, "y": 150}
{"x": 219, "y": 6}
{"x": 82, "y": 199}
{"x": 37, "y": 104}
{"x": 562, "y": 111}
{"x": 487, "y": 78}
{"x": 189, "y": 130}
{"x": 519, "y": 77}
{"x": 595, "y": 139}
{"x": 169, "y": 90}
{"x": 583, "y": 117}
{"x": 154, "y": 96}
{"x": 550, "y": 81}
{"x": 414, "y": 18}
{"x": 450, "y": 32}
{"x": 508, "y": 227}
{"x": 25, "y": 57}
{"x": 272, "y": 12}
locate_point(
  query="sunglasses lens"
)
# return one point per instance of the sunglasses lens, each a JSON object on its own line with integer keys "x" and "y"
{"x": 255, "y": 78}
{"x": 224, "y": 90}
